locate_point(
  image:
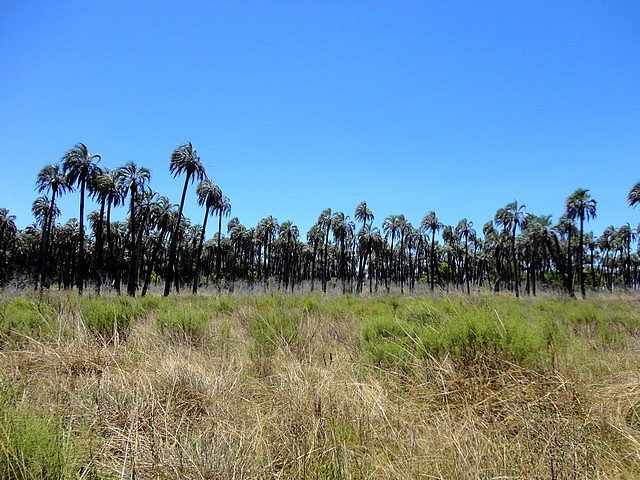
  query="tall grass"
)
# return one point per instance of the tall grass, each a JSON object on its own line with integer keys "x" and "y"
{"x": 314, "y": 387}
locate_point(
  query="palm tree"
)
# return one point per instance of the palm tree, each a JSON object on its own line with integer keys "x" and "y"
{"x": 580, "y": 205}
{"x": 465, "y": 229}
{"x": 289, "y": 232}
{"x": 605, "y": 243}
{"x": 98, "y": 191}
{"x": 209, "y": 195}
{"x": 162, "y": 215}
{"x": 52, "y": 179}
{"x": 626, "y": 235}
{"x": 342, "y": 228}
{"x": 80, "y": 166}
{"x": 265, "y": 234}
{"x": 536, "y": 228}
{"x": 108, "y": 187}
{"x": 184, "y": 159}
{"x": 511, "y": 217}
{"x": 222, "y": 207}
{"x": 634, "y": 195}
{"x": 314, "y": 238}
{"x": 364, "y": 215}
{"x": 134, "y": 180}
{"x": 431, "y": 223}
{"x": 390, "y": 228}
{"x": 324, "y": 222}
{"x": 8, "y": 237}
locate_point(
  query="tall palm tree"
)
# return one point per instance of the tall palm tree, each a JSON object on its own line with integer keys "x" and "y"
{"x": 108, "y": 187}
{"x": 634, "y": 195}
{"x": 626, "y": 235}
{"x": 97, "y": 191}
{"x": 342, "y": 229}
{"x": 209, "y": 195}
{"x": 464, "y": 229}
{"x": 363, "y": 214}
{"x": 8, "y": 237}
{"x": 134, "y": 181}
{"x": 289, "y": 233}
{"x": 162, "y": 216}
{"x": 265, "y": 234}
{"x": 605, "y": 243}
{"x": 536, "y": 228}
{"x": 431, "y": 223}
{"x": 511, "y": 218}
{"x": 314, "y": 239}
{"x": 324, "y": 222}
{"x": 222, "y": 207}
{"x": 80, "y": 166}
{"x": 580, "y": 205}
{"x": 52, "y": 179}
{"x": 184, "y": 159}
{"x": 566, "y": 228}
{"x": 390, "y": 228}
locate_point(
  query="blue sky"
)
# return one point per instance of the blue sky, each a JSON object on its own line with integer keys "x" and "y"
{"x": 295, "y": 106}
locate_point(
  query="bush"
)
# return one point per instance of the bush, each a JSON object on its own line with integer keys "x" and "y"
{"x": 466, "y": 333}
{"x": 21, "y": 318}
{"x": 35, "y": 446}
{"x": 273, "y": 329}
{"x": 109, "y": 318}
{"x": 186, "y": 322}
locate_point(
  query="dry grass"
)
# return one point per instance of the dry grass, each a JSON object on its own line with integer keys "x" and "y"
{"x": 155, "y": 406}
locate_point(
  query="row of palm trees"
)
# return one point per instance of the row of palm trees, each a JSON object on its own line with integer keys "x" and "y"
{"x": 516, "y": 250}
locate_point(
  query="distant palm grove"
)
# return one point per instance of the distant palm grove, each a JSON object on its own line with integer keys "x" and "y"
{"x": 516, "y": 251}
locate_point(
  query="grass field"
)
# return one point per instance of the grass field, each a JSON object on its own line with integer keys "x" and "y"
{"x": 319, "y": 388}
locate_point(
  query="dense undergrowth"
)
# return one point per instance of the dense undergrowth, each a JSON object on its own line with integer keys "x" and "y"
{"x": 313, "y": 387}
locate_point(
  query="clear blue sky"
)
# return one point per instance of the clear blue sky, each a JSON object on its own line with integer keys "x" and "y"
{"x": 295, "y": 106}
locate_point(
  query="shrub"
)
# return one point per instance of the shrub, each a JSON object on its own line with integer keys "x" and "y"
{"x": 21, "y": 318}
{"x": 187, "y": 322}
{"x": 274, "y": 328}
{"x": 466, "y": 333}
{"x": 109, "y": 318}
{"x": 35, "y": 446}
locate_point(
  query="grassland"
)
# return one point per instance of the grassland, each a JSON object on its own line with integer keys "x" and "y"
{"x": 319, "y": 388}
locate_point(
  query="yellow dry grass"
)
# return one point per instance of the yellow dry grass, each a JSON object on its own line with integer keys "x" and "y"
{"x": 157, "y": 407}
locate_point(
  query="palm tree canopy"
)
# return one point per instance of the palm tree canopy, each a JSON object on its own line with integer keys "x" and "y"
{"x": 52, "y": 178}
{"x": 79, "y": 164}
{"x": 634, "y": 195}
{"x": 363, "y": 213}
{"x": 580, "y": 205}
{"x": 430, "y": 222}
{"x": 133, "y": 177}
{"x": 185, "y": 159}
{"x": 41, "y": 208}
{"x": 209, "y": 194}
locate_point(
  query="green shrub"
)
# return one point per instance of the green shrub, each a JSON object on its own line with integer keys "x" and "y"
{"x": 22, "y": 317}
{"x": 466, "y": 333}
{"x": 273, "y": 329}
{"x": 109, "y": 317}
{"x": 34, "y": 445}
{"x": 185, "y": 321}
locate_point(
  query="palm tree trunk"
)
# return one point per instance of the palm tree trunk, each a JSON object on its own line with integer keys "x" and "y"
{"x": 97, "y": 265}
{"x": 324, "y": 263}
{"x": 133, "y": 251}
{"x": 580, "y": 260}
{"x": 80, "y": 273}
{"x": 218, "y": 252}
{"x": 433, "y": 258}
{"x": 196, "y": 273}
{"x": 174, "y": 240}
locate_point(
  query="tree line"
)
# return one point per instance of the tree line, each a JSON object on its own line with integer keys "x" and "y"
{"x": 516, "y": 251}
